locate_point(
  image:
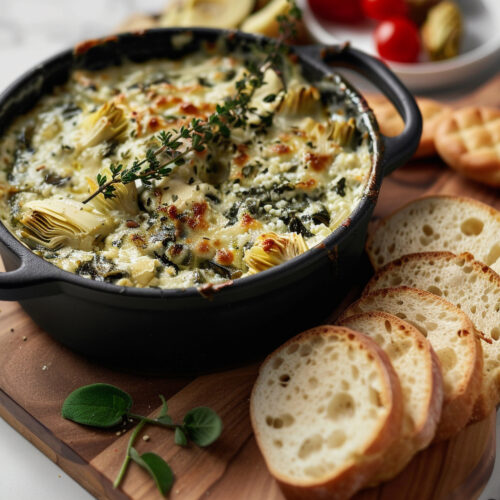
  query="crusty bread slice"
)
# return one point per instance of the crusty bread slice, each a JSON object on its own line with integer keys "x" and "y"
{"x": 451, "y": 334}
{"x": 325, "y": 407}
{"x": 419, "y": 373}
{"x": 471, "y": 286}
{"x": 438, "y": 223}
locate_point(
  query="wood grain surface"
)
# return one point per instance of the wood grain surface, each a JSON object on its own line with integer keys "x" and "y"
{"x": 36, "y": 374}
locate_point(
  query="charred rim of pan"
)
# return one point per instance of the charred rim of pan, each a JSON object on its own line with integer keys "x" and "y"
{"x": 353, "y": 100}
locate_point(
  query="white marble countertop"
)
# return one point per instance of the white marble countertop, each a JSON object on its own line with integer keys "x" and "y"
{"x": 30, "y": 31}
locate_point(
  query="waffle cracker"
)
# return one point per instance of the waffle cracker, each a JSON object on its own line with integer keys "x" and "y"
{"x": 468, "y": 140}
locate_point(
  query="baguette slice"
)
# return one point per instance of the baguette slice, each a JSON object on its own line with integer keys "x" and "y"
{"x": 419, "y": 373}
{"x": 451, "y": 334}
{"x": 325, "y": 407}
{"x": 471, "y": 286}
{"x": 438, "y": 223}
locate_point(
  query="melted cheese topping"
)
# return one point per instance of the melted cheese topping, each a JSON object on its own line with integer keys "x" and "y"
{"x": 301, "y": 176}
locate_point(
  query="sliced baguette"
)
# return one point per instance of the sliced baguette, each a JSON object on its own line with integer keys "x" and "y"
{"x": 438, "y": 223}
{"x": 471, "y": 286}
{"x": 451, "y": 334}
{"x": 419, "y": 373}
{"x": 325, "y": 407}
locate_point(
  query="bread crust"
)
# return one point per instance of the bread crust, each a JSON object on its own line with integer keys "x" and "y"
{"x": 466, "y": 140}
{"x": 381, "y": 224}
{"x": 354, "y": 475}
{"x": 489, "y": 396}
{"x": 457, "y": 409}
{"x": 403, "y": 450}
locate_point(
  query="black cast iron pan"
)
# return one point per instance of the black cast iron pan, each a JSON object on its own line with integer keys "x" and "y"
{"x": 190, "y": 330}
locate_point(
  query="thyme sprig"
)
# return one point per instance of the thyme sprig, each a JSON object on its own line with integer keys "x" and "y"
{"x": 234, "y": 112}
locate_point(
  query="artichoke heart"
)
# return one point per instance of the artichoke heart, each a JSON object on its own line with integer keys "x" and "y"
{"x": 442, "y": 31}
{"x": 302, "y": 100}
{"x": 125, "y": 196}
{"x": 320, "y": 133}
{"x": 52, "y": 223}
{"x": 105, "y": 124}
{"x": 271, "y": 249}
{"x": 268, "y": 97}
{"x": 343, "y": 132}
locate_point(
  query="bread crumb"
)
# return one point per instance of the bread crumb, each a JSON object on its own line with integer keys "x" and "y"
{"x": 146, "y": 438}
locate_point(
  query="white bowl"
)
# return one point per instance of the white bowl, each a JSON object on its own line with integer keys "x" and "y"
{"x": 480, "y": 46}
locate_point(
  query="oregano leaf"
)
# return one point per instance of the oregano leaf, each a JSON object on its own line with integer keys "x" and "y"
{"x": 202, "y": 425}
{"x": 157, "y": 468}
{"x": 97, "y": 405}
{"x": 180, "y": 438}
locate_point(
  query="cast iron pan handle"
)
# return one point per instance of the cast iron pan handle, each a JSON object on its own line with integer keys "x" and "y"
{"x": 17, "y": 284}
{"x": 399, "y": 149}
{"x": 31, "y": 279}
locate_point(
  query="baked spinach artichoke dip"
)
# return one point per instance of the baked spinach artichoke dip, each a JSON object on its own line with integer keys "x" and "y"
{"x": 177, "y": 173}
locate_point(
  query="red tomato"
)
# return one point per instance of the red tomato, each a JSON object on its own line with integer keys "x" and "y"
{"x": 343, "y": 11}
{"x": 398, "y": 40}
{"x": 384, "y": 9}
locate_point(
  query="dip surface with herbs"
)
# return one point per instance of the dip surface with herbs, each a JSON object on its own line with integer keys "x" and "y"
{"x": 256, "y": 195}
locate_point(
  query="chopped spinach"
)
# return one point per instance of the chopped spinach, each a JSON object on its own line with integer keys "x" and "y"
{"x": 296, "y": 226}
{"x": 340, "y": 187}
{"x": 321, "y": 217}
{"x": 70, "y": 110}
{"x": 204, "y": 82}
{"x": 55, "y": 179}
{"x": 212, "y": 197}
{"x": 232, "y": 214}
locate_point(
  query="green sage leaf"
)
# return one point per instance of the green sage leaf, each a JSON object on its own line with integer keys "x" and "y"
{"x": 157, "y": 468}
{"x": 97, "y": 405}
{"x": 202, "y": 425}
{"x": 180, "y": 438}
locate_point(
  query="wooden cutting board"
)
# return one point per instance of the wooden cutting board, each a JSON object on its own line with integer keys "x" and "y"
{"x": 36, "y": 374}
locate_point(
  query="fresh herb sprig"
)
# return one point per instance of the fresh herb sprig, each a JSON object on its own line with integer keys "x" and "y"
{"x": 106, "y": 406}
{"x": 157, "y": 163}
{"x": 175, "y": 145}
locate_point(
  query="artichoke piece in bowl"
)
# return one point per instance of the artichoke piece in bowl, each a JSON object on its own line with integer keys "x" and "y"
{"x": 442, "y": 31}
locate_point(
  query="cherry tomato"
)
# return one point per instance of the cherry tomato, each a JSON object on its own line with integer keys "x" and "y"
{"x": 398, "y": 40}
{"x": 384, "y": 9}
{"x": 342, "y": 11}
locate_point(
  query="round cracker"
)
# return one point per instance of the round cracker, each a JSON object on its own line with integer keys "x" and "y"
{"x": 468, "y": 140}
